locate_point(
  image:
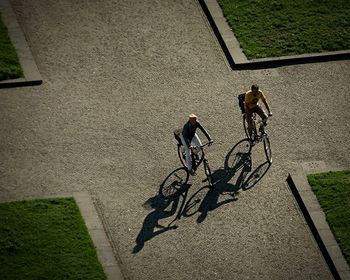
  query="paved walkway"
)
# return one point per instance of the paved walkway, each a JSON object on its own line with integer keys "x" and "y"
{"x": 118, "y": 76}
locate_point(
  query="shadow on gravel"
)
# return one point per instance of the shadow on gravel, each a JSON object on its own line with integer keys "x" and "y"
{"x": 227, "y": 182}
{"x": 256, "y": 176}
{"x": 204, "y": 201}
{"x": 238, "y": 164}
{"x": 165, "y": 204}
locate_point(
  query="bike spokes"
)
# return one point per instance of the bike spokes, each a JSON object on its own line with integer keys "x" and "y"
{"x": 175, "y": 182}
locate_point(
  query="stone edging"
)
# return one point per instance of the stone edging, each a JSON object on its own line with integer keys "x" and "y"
{"x": 96, "y": 230}
{"x": 316, "y": 219}
{"x": 98, "y": 235}
{"x": 235, "y": 55}
{"x": 30, "y": 70}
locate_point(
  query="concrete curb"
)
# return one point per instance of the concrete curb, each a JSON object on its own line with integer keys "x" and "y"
{"x": 96, "y": 230}
{"x": 315, "y": 217}
{"x": 98, "y": 235}
{"x": 235, "y": 55}
{"x": 30, "y": 70}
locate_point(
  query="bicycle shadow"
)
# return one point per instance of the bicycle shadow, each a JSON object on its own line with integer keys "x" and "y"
{"x": 204, "y": 201}
{"x": 256, "y": 176}
{"x": 239, "y": 158}
{"x": 227, "y": 181}
{"x": 161, "y": 203}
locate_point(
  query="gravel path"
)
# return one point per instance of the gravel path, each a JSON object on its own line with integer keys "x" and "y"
{"x": 118, "y": 77}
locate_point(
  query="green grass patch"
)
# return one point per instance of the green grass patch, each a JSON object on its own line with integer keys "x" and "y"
{"x": 46, "y": 239}
{"x": 10, "y": 67}
{"x": 333, "y": 193}
{"x": 270, "y": 28}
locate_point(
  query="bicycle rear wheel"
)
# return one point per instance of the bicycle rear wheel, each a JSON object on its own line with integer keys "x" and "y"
{"x": 267, "y": 148}
{"x": 245, "y": 125}
{"x": 182, "y": 155}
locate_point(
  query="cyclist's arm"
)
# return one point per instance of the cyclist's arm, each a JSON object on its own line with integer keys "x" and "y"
{"x": 263, "y": 99}
{"x": 205, "y": 132}
{"x": 267, "y": 106}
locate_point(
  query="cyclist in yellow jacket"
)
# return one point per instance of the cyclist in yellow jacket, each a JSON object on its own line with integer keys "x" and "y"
{"x": 252, "y": 97}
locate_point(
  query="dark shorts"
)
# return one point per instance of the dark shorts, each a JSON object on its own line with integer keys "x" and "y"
{"x": 257, "y": 110}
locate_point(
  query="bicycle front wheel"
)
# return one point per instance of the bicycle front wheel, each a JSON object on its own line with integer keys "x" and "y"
{"x": 267, "y": 148}
{"x": 208, "y": 173}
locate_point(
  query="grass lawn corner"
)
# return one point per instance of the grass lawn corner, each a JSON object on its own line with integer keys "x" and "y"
{"x": 46, "y": 239}
{"x": 276, "y": 28}
{"x": 332, "y": 190}
{"x": 10, "y": 67}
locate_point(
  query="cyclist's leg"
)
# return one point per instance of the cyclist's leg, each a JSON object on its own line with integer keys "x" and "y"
{"x": 197, "y": 141}
{"x": 262, "y": 114}
{"x": 187, "y": 153}
{"x": 249, "y": 117}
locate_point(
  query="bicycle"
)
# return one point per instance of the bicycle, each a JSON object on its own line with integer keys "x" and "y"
{"x": 197, "y": 157}
{"x": 259, "y": 135}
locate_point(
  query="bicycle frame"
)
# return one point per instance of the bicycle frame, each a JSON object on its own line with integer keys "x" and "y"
{"x": 258, "y": 135}
{"x": 196, "y": 162}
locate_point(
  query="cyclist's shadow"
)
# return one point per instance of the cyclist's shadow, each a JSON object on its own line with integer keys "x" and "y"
{"x": 227, "y": 181}
{"x": 169, "y": 195}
